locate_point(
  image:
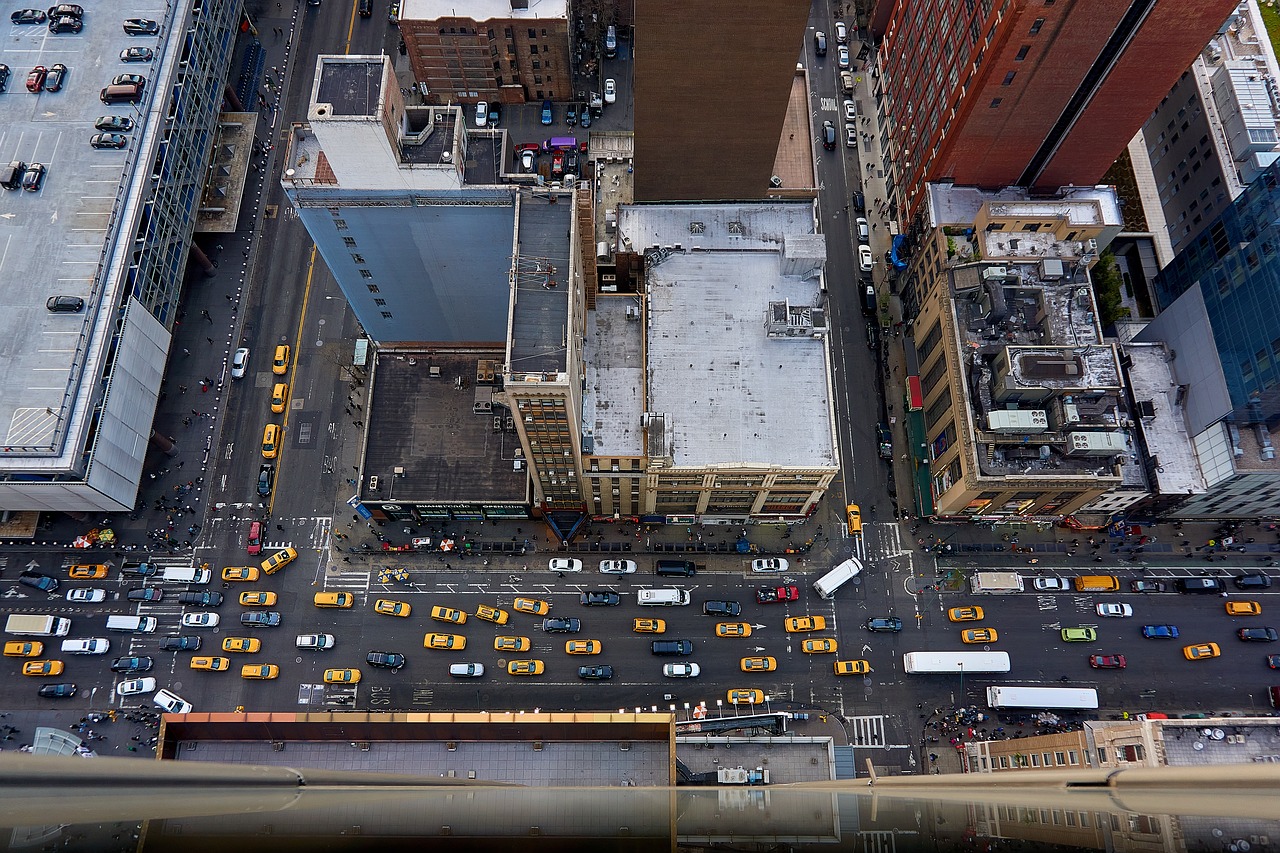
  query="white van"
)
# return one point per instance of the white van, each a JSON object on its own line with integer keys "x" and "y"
{"x": 182, "y": 574}
{"x": 661, "y": 597}
{"x": 827, "y": 585}
{"x": 466, "y": 670}
{"x": 88, "y": 646}
{"x": 132, "y": 624}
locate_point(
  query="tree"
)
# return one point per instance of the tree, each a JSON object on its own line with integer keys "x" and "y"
{"x": 1106, "y": 290}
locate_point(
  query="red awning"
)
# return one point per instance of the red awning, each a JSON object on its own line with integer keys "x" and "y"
{"x": 915, "y": 400}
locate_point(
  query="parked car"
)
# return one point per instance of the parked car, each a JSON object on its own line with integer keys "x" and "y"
{"x": 140, "y": 27}
{"x": 1147, "y": 586}
{"x": 1258, "y": 635}
{"x": 771, "y": 564}
{"x": 35, "y": 79}
{"x": 136, "y": 54}
{"x": 610, "y": 91}
{"x": 56, "y": 78}
{"x": 617, "y": 567}
{"x": 27, "y": 16}
{"x": 547, "y": 117}
{"x": 1252, "y": 580}
{"x": 118, "y": 124}
{"x": 108, "y": 140}
{"x": 1050, "y": 584}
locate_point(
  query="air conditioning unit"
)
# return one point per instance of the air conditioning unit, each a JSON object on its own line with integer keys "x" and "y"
{"x": 373, "y": 484}
{"x": 995, "y": 273}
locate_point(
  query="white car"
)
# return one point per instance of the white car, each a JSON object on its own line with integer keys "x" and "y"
{"x": 172, "y": 703}
{"x": 314, "y": 641}
{"x": 850, "y": 110}
{"x": 618, "y": 567}
{"x": 681, "y": 670}
{"x": 135, "y": 685}
{"x": 482, "y": 113}
{"x": 1051, "y": 584}
{"x": 564, "y": 564}
{"x": 526, "y": 161}
{"x": 610, "y": 91}
{"x": 771, "y": 564}
{"x": 1114, "y": 610}
{"x": 850, "y": 136}
{"x": 86, "y": 594}
{"x": 864, "y": 258}
{"x": 200, "y": 620}
{"x": 240, "y": 363}
{"x": 842, "y": 56}
{"x": 842, "y": 32}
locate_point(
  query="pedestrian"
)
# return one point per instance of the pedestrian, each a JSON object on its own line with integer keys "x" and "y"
{"x": 186, "y": 351}
{"x": 180, "y": 464}
{"x": 346, "y": 559}
{"x": 279, "y": 527}
{"x": 182, "y": 389}
{"x": 210, "y": 340}
{"x": 230, "y": 298}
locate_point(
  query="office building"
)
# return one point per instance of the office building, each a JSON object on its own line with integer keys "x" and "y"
{"x": 712, "y": 83}
{"x": 510, "y": 52}
{"x": 80, "y": 387}
{"x": 1038, "y": 94}
{"x": 1020, "y": 410}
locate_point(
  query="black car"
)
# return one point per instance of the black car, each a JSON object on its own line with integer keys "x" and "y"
{"x": 562, "y": 625}
{"x": 671, "y": 647}
{"x": 1258, "y": 635}
{"x": 1147, "y": 586}
{"x": 65, "y": 304}
{"x": 119, "y": 124}
{"x": 600, "y": 598}
{"x": 859, "y": 202}
{"x": 66, "y": 10}
{"x": 385, "y": 660}
{"x": 1198, "y": 585}
{"x": 495, "y": 113}
{"x": 58, "y": 691}
{"x": 33, "y": 177}
{"x": 1253, "y": 580}
{"x": 143, "y": 569}
{"x": 146, "y": 593}
{"x": 140, "y": 27}
{"x": 721, "y": 608}
{"x": 108, "y": 140}
{"x": 200, "y": 599}
{"x": 132, "y": 664}
{"x": 260, "y": 619}
{"x": 28, "y": 16}
{"x": 828, "y": 136}
{"x": 884, "y": 439}
{"x": 595, "y": 673}
{"x": 66, "y": 24}
{"x": 39, "y": 581}
{"x": 266, "y": 473}
{"x": 189, "y": 643}
{"x": 4, "y": 76}
{"x": 128, "y": 80}
{"x": 885, "y": 624}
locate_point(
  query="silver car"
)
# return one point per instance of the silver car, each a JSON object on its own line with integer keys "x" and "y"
{"x": 617, "y": 567}
{"x": 240, "y": 363}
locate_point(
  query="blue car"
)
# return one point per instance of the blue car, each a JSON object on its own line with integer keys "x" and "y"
{"x": 1160, "y": 632}
{"x": 546, "y": 112}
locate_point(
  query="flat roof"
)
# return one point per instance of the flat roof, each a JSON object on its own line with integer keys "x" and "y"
{"x": 1164, "y": 428}
{"x": 353, "y": 87}
{"x": 482, "y": 10}
{"x": 731, "y": 394}
{"x": 439, "y": 433}
{"x": 56, "y": 241}
{"x": 540, "y": 313}
{"x": 613, "y": 399}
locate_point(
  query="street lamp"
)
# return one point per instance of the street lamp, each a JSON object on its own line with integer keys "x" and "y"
{"x": 960, "y": 664}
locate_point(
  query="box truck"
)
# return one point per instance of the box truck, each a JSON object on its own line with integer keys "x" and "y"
{"x": 38, "y": 626}
{"x": 662, "y": 597}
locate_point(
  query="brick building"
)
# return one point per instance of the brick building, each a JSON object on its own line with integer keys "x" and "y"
{"x": 511, "y": 52}
{"x": 1037, "y": 94}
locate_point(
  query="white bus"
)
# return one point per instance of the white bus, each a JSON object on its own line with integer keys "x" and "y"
{"x": 954, "y": 662}
{"x": 1007, "y": 696}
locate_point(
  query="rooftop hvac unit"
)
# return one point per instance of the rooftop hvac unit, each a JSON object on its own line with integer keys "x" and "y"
{"x": 1091, "y": 247}
{"x": 1095, "y": 443}
{"x": 995, "y": 273}
{"x": 1018, "y": 421}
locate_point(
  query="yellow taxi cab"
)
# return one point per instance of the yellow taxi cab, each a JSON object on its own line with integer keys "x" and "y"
{"x": 259, "y": 670}
{"x": 733, "y": 629}
{"x": 42, "y": 667}
{"x": 743, "y": 696}
{"x": 582, "y": 647}
{"x": 525, "y": 667}
{"x": 279, "y": 560}
{"x": 648, "y": 626}
{"x": 211, "y": 664}
{"x": 341, "y": 676}
{"x": 511, "y": 644}
{"x": 333, "y": 599}
{"x": 270, "y": 441}
{"x": 90, "y": 572}
{"x": 1200, "y": 651}
{"x": 241, "y": 644}
{"x": 23, "y": 649}
{"x": 279, "y": 396}
{"x": 853, "y": 519}
{"x": 387, "y": 607}
{"x": 1244, "y": 608}
{"x": 852, "y": 667}
{"x": 819, "y": 646}
{"x": 759, "y": 664}
{"x": 536, "y": 606}
{"x": 805, "y": 623}
{"x": 248, "y": 574}
{"x": 492, "y": 614}
{"x": 979, "y": 635}
{"x": 449, "y": 614}
{"x": 280, "y": 363}
{"x": 257, "y": 598}
{"x": 456, "y": 642}
{"x": 965, "y": 614}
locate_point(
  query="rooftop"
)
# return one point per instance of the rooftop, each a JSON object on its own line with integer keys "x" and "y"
{"x": 613, "y": 399}
{"x": 1163, "y": 424}
{"x": 59, "y": 240}
{"x": 719, "y": 279}
{"x": 482, "y": 10}
{"x": 540, "y": 312}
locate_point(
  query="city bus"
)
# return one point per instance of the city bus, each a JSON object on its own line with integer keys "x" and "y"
{"x": 1008, "y": 696}
{"x": 950, "y": 663}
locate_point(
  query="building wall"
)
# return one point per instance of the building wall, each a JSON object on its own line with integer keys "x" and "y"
{"x": 1069, "y": 750}
{"x": 712, "y": 81}
{"x": 722, "y": 492}
{"x": 501, "y": 59}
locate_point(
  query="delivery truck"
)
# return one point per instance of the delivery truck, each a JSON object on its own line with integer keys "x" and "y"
{"x": 38, "y": 626}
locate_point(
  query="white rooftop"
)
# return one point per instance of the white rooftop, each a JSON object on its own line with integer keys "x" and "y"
{"x": 1165, "y": 432}
{"x": 481, "y": 10}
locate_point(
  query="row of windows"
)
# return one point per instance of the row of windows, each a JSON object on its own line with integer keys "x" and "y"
{"x": 508, "y": 32}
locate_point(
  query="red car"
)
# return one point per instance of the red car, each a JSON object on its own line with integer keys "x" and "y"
{"x": 776, "y": 594}
{"x": 1106, "y": 661}
{"x": 35, "y": 80}
{"x": 255, "y": 538}
{"x": 557, "y": 164}
{"x": 528, "y": 146}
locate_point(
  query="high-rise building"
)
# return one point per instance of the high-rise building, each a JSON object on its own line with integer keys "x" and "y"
{"x": 510, "y": 52}
{"x": 712, "y": 82}
{"x": 1039, "y": 94}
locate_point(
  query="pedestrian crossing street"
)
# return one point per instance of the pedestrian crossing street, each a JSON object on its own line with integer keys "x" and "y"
{"x": 866, "y": 730}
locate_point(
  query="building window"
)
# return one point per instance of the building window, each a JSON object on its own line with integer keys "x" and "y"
{"x": 533, "y": 34}
{"x": 1102, "y": 755}
{"x": 1008, "y": 78}
{"x": 340, "y": 224}
{"x": 359, "y": 259}
{"x": 373, "y": 288}
{"x": 379, "y": 302}
{"x": 995, "y": 102}
{"x": 366, "y": 274}
{"x": 1060, "y": 757}
{"x": 1022, "y": 53}
{"x": 386, "y": 315}
{"x": 508, "y": 33}
{"x": 350, "y": 242}
{"x": 536, "y": 64}
{"x": 1035, "y": 27}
